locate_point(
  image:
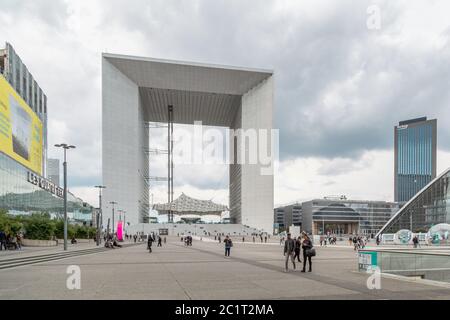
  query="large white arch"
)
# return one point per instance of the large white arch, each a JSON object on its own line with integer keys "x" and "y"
{"x": 137, "y": 90}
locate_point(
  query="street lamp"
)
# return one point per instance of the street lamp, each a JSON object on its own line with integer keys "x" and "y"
{"x": 113, "y": 203}
{"x": 100, "y": 214}
{"x": 65, "y": 147}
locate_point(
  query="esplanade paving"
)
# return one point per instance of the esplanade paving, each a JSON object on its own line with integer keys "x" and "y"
{"x": 254, "y": 271}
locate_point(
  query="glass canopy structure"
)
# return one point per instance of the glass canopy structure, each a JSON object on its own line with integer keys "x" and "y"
{"x": 429, "y": 207}
{"x": 185, "y": 205}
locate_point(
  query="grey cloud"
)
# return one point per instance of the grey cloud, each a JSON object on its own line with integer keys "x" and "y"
{"x": 370, "y": 83}
{"x": 311, "y": 53}
{"x": 53, "y": 13}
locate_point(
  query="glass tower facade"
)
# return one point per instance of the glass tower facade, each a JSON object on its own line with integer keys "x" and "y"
{"x": 428, "y": 208}
{"x": 21, "y": 195}
{"x": 415, "y": 157}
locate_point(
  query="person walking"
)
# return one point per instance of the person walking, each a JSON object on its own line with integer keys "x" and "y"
{"x": 307, "y": 251}
{"x": 355, "y": 243}
{"x": 165, "y": 240}
{"x": 159, "y": 241}
{"x": 298, "y": 246}
{"x": 289, "y": 249}
{"x": 265, "y": 239}
{"x": 415, "y": 241}
{"x": 228, "y": 244}
{"x": 378, "y": 240}
{"x": 150, "y": 243}
{"x": 3, "y": 240}
{"x": 19, "y": 241}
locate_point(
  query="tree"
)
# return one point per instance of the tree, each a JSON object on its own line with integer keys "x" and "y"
{"x": 38, "y": 226}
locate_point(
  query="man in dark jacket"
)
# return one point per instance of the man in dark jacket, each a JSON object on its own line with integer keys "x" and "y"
{"x": 150, "y": 243}
{"x": 289, "y": 249}
{"x": 228, "y": 244}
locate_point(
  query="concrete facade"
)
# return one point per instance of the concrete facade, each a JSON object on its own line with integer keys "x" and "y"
{"x": 287, "y": 216}
{"x": 53, "y": 173}
{"x": 137, "y": 90}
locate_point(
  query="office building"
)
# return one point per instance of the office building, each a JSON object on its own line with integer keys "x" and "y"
{"x": 415, "y": 157}
{"x": 287, "y": 216}
{"x": 20, "y": 78}
{"x": 343, "y": 217}
{"x": 139, "y": 90}
{"x": 23, "y": 115}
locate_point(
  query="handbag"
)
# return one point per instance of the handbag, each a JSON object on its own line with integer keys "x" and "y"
{"x": 311, "y": 252}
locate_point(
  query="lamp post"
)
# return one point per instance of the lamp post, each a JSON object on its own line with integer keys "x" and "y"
{"x": 100, "y": 214}
{"x": 65, "y": 147}
{"x": 113, "y": 203}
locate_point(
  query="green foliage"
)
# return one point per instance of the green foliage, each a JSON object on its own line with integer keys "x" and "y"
{"x": 79, "y": 232}
{"x": 38, "y": 226}
{"x": 9, "y": 224}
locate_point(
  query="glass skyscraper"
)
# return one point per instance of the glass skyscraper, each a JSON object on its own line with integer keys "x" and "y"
{"x": 415, "y": 157}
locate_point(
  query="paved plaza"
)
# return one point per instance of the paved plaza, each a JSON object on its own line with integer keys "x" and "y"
{"x": 254, "y": 271}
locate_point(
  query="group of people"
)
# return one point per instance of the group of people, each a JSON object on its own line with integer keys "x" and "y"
{"x": 293, "y": 247}
{"x": 324, "y": 240}
{"x": 358, "y": 242}
{"x": 152, "y": 237}
{"x": 111, "y": 241}
{"x": 261, "y": 238}
{"x": 187, "y": 240}
{"x": 10, "y": 241}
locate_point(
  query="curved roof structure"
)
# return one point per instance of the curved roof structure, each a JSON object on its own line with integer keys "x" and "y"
{"x": 185, "y": 205}
{"x": 337, "y": 211}
{"x": 427, "y": 208}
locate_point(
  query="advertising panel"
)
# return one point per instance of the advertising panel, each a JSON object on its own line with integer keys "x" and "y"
{"x": 20, "y": 129}
{"x": 367, "y": 259}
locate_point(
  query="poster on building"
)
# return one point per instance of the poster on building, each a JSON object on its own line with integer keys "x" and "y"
{"x": 20, "y": 129}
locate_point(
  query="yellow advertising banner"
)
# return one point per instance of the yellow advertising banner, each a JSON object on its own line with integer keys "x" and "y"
{"x": 20, "y": 129}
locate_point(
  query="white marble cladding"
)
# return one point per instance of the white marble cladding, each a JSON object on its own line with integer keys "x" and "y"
{"x": 127, "y": 103}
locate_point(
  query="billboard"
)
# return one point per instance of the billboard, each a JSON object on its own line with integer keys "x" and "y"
{"x": 20, "y": 129}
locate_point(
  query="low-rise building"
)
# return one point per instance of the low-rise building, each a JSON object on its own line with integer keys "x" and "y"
{"x": 286, "y": 216}
{"x": 343, "y": 217}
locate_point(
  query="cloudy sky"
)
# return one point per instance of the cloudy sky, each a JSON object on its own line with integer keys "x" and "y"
{"x": 341, "y": 83}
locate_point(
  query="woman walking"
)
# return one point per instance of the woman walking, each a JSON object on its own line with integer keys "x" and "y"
{"x": 298, "y": 246}
{"x": 307, "y": 251}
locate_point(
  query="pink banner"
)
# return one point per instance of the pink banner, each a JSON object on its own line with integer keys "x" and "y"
{"x": 120, "y": 231}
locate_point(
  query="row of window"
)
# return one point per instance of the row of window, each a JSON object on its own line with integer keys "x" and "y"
{"x": 23, "y": 82}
